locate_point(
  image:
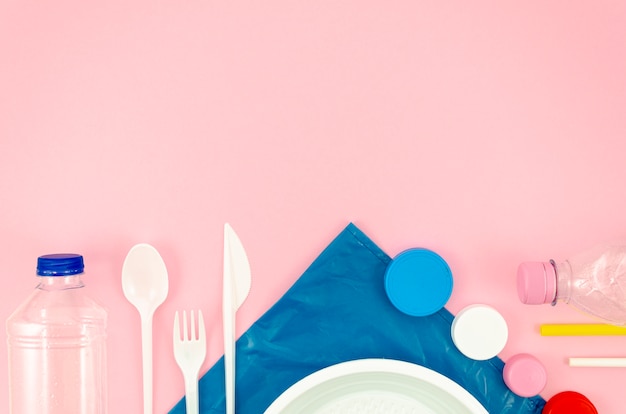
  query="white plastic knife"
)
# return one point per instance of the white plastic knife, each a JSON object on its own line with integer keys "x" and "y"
{"x": 237, "y": 280}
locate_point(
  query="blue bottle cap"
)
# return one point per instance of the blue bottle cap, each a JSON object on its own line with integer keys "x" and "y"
{"x": 62, "y": 264}
{"x": 418, "y": 282}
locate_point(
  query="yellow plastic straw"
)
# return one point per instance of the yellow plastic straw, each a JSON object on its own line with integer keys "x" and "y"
{"x": 575, "y": 329}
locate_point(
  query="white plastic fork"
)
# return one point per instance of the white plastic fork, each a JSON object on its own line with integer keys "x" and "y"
{"x": 190, "y": 352}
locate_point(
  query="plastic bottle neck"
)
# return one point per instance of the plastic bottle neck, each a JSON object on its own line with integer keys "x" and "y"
{"x": 563, "y": 281}
{"x": 52, "y": 283}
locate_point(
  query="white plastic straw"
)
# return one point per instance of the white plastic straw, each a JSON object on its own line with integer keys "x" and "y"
{"x": 598, "y": 362}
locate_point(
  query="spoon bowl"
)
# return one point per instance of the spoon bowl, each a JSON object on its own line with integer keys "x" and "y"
{"x": 144, "y": 277}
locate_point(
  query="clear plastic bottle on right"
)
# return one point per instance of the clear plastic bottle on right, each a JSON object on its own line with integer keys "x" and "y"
{"x": 593, "y": 281}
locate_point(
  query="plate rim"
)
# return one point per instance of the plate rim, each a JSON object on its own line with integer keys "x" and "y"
{"x": 374, "y": 365}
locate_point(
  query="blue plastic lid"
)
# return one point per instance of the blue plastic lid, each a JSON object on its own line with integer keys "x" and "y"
{"x": 418, "y": 282}
{"x": 62, "y": 264}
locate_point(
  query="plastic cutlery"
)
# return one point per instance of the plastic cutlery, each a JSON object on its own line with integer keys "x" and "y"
{"x": 237, "y": 280}
{"x": 190, "y": 352}
{"x": 145, "y": 285}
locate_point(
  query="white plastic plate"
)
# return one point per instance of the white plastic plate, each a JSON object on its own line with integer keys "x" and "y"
{"x": 368, "y": 386}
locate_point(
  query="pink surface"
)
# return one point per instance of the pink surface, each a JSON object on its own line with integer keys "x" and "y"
{"x": 489, "y": 133}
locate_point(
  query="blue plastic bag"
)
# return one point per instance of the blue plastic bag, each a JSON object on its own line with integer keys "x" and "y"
{"x": 338, "y": 311}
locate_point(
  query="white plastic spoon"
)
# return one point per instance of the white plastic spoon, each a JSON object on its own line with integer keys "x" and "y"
{"x": 237, "y": 280}
{"x": 145, "y": 285}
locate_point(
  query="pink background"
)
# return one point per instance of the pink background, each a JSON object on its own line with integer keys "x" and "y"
{"x": 491, "y": 133}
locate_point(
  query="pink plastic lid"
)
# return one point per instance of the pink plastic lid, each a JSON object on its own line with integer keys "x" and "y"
{"x": 536, "y": 283}
{"x": 525, "y": 375}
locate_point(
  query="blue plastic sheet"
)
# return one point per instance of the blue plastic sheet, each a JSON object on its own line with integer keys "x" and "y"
{"x": 338, "y": 311}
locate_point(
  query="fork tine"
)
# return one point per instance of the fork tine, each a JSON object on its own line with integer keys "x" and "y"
{"x": 193, "y": 326}
{"x": 185, "y": 336}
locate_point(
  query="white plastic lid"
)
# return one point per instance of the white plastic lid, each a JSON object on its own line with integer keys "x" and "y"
{"x": 479, "y": 332}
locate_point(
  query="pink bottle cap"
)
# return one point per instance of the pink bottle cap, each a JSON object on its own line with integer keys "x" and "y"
{"x": 525, "y": 375}
{"x": 536, "y": 283}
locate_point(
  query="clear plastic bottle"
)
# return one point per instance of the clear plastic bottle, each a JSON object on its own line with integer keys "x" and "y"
{"x": 57, "y": 344}
{"x": 594, "y": 282}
